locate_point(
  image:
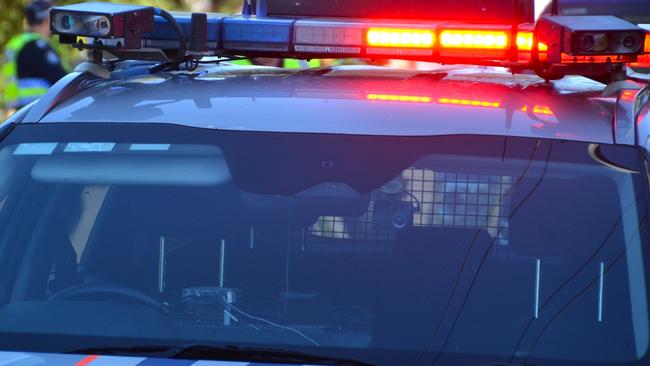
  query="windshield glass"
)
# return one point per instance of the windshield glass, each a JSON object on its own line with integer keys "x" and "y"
{"x": 390, "y": 250}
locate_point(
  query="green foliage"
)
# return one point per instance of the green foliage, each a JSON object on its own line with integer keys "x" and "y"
{"x": 11, "y": 20}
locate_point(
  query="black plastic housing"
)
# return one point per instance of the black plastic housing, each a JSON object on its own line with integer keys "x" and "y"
{"x": 125, "y": 21}
{"x": 589, "y": 36}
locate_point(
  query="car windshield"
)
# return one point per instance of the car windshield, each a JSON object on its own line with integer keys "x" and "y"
{"x": 390, "y": 250}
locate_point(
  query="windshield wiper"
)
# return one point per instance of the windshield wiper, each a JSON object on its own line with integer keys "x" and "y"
{"x": 221, "y": 353}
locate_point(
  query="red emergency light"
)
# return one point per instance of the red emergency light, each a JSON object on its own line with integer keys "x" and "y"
{"x": 525, "y": 42}
{"x": 473, "y": 39}
{"x": 643, "y": 61}
{"x": 387, "y": 37}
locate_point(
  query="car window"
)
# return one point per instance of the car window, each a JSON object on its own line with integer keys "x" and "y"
{"x": 384, "y": 249}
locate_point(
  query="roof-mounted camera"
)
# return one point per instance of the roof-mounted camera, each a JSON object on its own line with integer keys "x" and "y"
{"x": 102, "y": 20}
{"x": 589, "y": 36}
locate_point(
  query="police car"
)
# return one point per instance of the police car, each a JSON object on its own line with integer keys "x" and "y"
{"x": 164, "y": 205}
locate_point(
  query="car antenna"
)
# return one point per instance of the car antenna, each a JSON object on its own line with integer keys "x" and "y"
{"x": 246, "y": 9}
{"x": 261, "y": 9}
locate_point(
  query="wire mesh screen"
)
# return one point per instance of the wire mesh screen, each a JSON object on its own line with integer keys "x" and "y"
{"x": 427, "y": 199}
{"x": 461, "y": 200}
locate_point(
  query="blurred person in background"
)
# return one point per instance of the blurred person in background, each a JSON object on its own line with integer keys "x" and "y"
{"x": 31, "y": 64}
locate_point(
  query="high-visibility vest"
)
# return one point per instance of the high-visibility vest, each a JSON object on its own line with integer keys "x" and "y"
{"x": 292, "y": 63}
{"x": 19, "y": 92}
{"x": 242, "y": 62}
{"x": 287, "y": 63}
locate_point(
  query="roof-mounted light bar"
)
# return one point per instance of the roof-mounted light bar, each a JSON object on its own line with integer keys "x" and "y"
{"x": 328, "y": 37}
{"x": 365, "y": 38}
{"x": 554, "y": 40}
{"x": 407, "y": 40}
{"x": 474, "y": 39}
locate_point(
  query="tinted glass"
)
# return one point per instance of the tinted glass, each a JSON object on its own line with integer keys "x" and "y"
{"x": 390, "y": 250}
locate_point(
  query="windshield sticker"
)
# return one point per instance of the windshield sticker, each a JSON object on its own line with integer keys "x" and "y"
{"x": 89, "y": 147}
{"x": 38, "y": 148}
{"x": 149, "y": 147}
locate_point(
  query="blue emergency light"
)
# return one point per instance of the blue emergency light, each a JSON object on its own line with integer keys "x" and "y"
{"x": 257, "y": 34}
{"x": 166, "y": 37}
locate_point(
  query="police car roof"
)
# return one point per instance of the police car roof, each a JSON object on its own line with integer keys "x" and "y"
{"x": 351, "y": 100}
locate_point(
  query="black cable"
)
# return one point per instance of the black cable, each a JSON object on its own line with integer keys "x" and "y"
{"x": 247, "y": 9}
{"x": 191, "y": 64}
{"x": 182, "y": 41}
{"x": 575, "y": 274}
{"x": 466, "y": 259}
{"x": 487, "y": 252}
{"x": 417, "y": 201}
{"x": 450, "y": 299}
{"x": 580, "y": 293}
{"x": 229, "y": 306}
